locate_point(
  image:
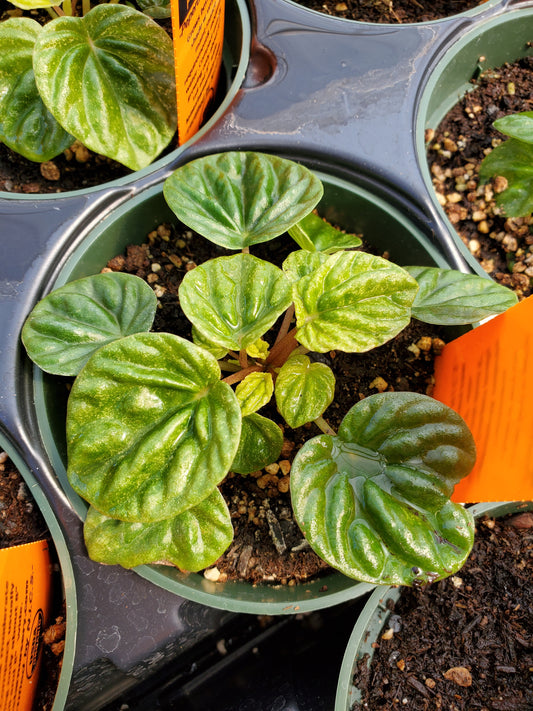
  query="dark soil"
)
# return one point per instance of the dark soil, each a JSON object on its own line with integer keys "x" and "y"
{"x": 391, "y": 11}
{"x": 464, "y": 643}
{"x": 268, "y": 544}
{"x": 21, "y": 522}
{"x": 503, "y": 246}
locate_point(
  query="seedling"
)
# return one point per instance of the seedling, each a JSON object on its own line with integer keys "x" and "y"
{"x": 154, "y": 424}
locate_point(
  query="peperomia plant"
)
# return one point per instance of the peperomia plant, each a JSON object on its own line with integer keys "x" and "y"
{"x": 106, "y": 79}
{"x": 511, "y": 162}
{"x": 155, "y": 421}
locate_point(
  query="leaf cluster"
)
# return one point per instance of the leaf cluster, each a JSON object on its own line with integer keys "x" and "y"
{"x": 153, "y": 427}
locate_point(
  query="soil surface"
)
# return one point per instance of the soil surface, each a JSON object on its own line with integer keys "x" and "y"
{"x": 464, "y": 643}
{"x": 268, "y": 544}
{"x": 391, "y": 11}
{"x": 22, "y": 522}
{"x": 503, "y": 246}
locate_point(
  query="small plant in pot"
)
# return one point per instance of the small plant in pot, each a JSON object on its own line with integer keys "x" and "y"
{"x": 155, "y": 421}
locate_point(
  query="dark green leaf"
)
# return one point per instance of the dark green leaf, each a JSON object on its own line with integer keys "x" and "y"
{"x": 151, "y": 429}
{"x": 512, "y": 160}
{"x": 261, "y": 443}
{"x": 315, "y": 234}
{"x": 158, "y": 9}
{"x": 449, "y": 297}
{"x": 374, "y": 500}
{"x": 191, "y": 540}
{"x": 239, "y": 199}
{"x": 303, "y": 390}
{"x": 71, "y": 323}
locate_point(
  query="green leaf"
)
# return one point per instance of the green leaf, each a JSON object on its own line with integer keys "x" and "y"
{"x": 353, "y": 302}
{"x": 449, "y": 297}
{"x": 191, "y": 540}
{"x": 200, "y": 340}
{"x": 260, "y": 444}
{"x": 237, "y": 199}
{"x": 26, "y": 125}
{"x": 303, "y": 390}
{"x": 374, "y": 500}
{"x": 74, "y": 321}
{"x": 259, "y": 349}
{"x": 315, "y": 234}
{"x": 151, "y": 429}
{"x": 158, "y": 9}
{"x": 254, "y": 392}
{"x": 108, "y": 78}
{"x": 234, "y": 300}
{"x": 302, "y": 263}
{"x": 34, "y": 4}
{"x": 512, "y": 160}
{"x": 519, "y": 126}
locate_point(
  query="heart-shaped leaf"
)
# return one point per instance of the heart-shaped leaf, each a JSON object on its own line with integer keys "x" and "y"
{"x": 191, "y": 540}
{"x": 26, "y": 125}
{"x": 151, "y": 429}
{"x": 512, "y": 160}
{"x": 158, "y": 9}
{"x": 315, "y": 234}
{"x": 204, "y": 342}
{"x": 303, "y": 390}
{"x": 254, "y": 392}
{"x": 519, "y": 126}
{"x": 108, "y": 78}
{"x": 237, "y": 199}
{"x": 302, "y": 263}
{"x": 261, "y": 443}
{"x": 71, "y": 323}
{"x": 374, "y": 500}
{"x": 352, "y": 303}
{"x": 450, "y": 298}
{"x": 259, "y": 349}
{"x": 234, "y": 300}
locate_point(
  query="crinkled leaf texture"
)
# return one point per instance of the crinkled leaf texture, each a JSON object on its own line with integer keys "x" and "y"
{"x": 234, "y": 300}
{"x": 151, "y": 428}
{"x": 75, "y": 320}
{"x": 353, "y": 302}
{"x": 254, "y": 391}
{"x": 301, "y": 263}
{"x": 315, "y": 234}
{"x": 237, "y": 199}
{"x": 513, "y": 160}
{"x": 374, "y": 500}
{"x": 450, "y": 298}
{"x": 191, "y": 540}
{"x": 26, "y": 125}
{"x": 519, "y": 126}
{"x": 261, "y": 443}
{"x": 303, "y": 390}
{"x": 108, "y": 78}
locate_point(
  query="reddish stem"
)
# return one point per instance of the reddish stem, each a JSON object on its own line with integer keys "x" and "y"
{"x": 237, "y": 377}
{"x": 282, "y": 350}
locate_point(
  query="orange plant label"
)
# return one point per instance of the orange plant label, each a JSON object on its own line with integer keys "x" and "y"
{"x": 25, "y": 582}
{"x": 198, "y": 30}
{"x": 485, "y": 375}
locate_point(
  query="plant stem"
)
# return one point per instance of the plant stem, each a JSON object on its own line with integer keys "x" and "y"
{"x": 237, "y": 377}
{"x": 285, "y": 324}
{"x": 85, "y": 7}
{"x": 243, "y": 358}
{"x": 232, "y": 367}
{"x": 59, "y": 12}
{"x": 321, "y": 423}
{"x": 282, "y": 350}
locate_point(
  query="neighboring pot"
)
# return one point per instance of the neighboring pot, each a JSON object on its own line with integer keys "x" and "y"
{"x": 347, "y": 205}
{"x": 376, "y": 613}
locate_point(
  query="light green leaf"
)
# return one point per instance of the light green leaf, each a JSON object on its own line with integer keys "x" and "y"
{"x": 234, "y": 300}
{"x": 26, "y": 125}
{"x": 450, "y": 298}
{"x": 260, "y": 444}
{"x": 200, "y": 340}
{"x": 303, "y": 390}
{"x": 315, "y": 234}
{"x": 254, "y": 392}
{"x": 519, "y": 126}
{"x": 158, "y": 9}
{"x": 237, "y": 199}
{"x": 353, "y": 302}
{"x": 374, "y": 500}
{"x": 191, "y": 540}
{"x": 302, "y": 263}
{"x": 74, "y": 321}
{"x": 151, "y": 429}
{"x": 34, "y": 4}
{"x": 259, "y": 349}
{"x": 108, "y": 78}
{"x": 512, "y": 160}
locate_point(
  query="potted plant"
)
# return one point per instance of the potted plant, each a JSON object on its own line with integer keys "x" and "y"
{"x": 460, "y": 666}
{"x": 201, "y": 429}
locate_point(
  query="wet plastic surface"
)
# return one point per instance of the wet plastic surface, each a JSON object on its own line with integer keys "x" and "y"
{"x": 341, "y": 97}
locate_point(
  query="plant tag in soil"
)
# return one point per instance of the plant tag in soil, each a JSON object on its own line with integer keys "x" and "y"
{"x": 25, "y": 589}
{"x": 485, "y": 375}
{"x": 198, "y": 30}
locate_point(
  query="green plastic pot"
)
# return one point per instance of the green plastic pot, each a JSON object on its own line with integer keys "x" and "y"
{"x": 67, "y": 572}
{"x": 235, "y": 59}
{"x": 505, "y": 38}
{"x": 375, "y": 614}
{"x": 344, "y": 204}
